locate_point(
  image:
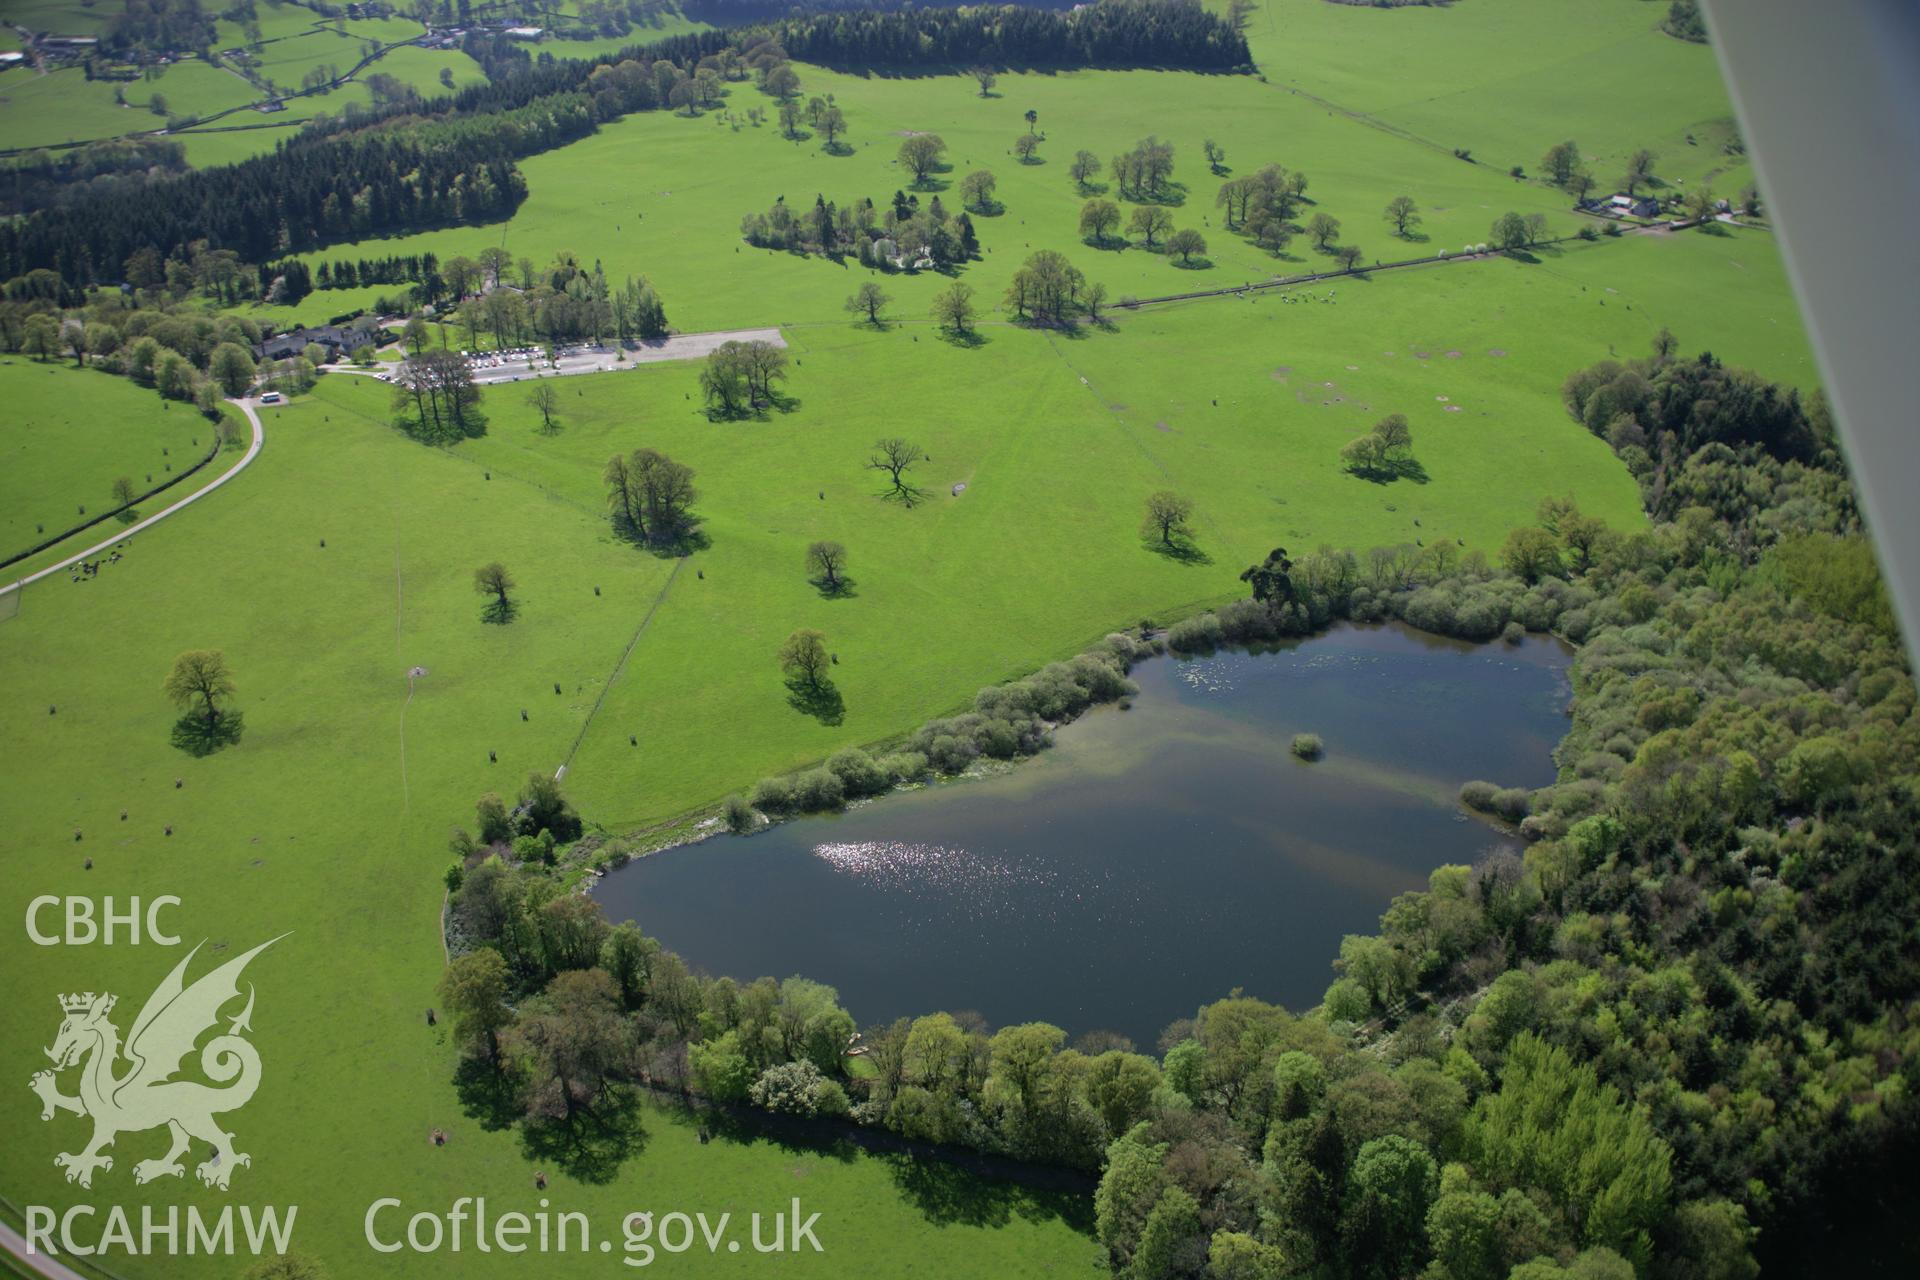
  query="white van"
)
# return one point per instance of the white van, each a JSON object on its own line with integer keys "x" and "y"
{"x": 270, "y": 397}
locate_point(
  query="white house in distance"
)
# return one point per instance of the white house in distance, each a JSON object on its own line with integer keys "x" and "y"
{"x": 524, "y": 33}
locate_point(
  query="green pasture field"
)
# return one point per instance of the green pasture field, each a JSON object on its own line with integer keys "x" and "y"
{"x": 1507, "y": 81}
{"x": 68, "y": 434}
{"x": 64, "y": 106}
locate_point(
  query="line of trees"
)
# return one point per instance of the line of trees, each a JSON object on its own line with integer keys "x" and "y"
{"x": 1115, "y": 33}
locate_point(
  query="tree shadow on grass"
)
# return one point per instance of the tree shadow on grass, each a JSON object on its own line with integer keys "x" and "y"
{"x": 193, "y": 735}
{"x": 1387, "y": 472}
{"x": 594, "y": 1144}
{"x": 499, "y": 612}
{"x": 792, "y": 1134}
{"x": 842, "y": 588}
{"x": 837, "y": 148}
{"x": 948, "y": 1195}
{"x": 1197, "y": 263}
{"x": 1180, "y": 550}
{"x": 485, "y": 1095}
{"x": 971, "y": 339}
{"x": 822, "y": 701}
{"x": 907, "y": 495}
{"x": 1171, "y": 196}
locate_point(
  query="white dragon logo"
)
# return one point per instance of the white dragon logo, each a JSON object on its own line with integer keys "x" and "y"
{"x": 146, "y": 1096}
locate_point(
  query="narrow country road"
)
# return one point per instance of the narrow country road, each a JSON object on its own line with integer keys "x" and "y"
{"x": 100, "y": 548}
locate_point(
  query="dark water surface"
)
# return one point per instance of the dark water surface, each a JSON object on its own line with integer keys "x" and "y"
{"x": 1153, "y": 860}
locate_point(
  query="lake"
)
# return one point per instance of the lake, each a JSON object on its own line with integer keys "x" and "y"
{"x": 1155, "y": 859}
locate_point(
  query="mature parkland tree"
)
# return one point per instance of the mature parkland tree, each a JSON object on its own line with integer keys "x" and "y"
{"x": 1151, "y": 223}
{"x": 123, "y": 492}
{"x": 723, "y": 382}
{"x": 474, "y": 991}
{"x": 415, "y": 336}
{"x": 1094, "y": 300}
{"x": 985, "y": 77}
{"x": 462, "y": 274}
{"x": 1404, "y": 214}
{"x": 1168, "y": 515}
{"x": 40, "y": 337}
{"x": 894, "y": 456}
{"x": 1639, "y": 170}
{"x": 1323, "y": 229}
{"x": 232, "y": 368}
{"x": 803, "y": 657}
{"x": 1509, "y": 232}
{"x": 1098, "y": 220}
{"x": 920, "y": 155}
{"x": 953, "y": 307}
{"x": 868, "y": 300}
{"x": 782, "y": 81}
{"x": 1026, "y": 146}
{"x": 1185, "y": 243}
{"x": 1395, "y": 434}
{"x": 1215, "y": 154}
{"x": 1532, "y": 553}
{"x": 438, "y": 388}
{"x": 199, "y": 677}
{"x": 1580, "y": 185}
{"x": 545, "y": 400}
{"x": 1382, "y": 451}
{"x": 831, "y": 123}
{"x": 1347, "y": 255}
{"x": 650, "y": 496}
{"x": 1561, "y": 162}
{"x": 1085, "y": 165}
{"x": 1665, "y": 344}
{"x": 1271, "y": 232}
{"x": 574, "y": 1042}
{"x": 826, "y": 561}
{"x": 790, "y": 119}
{"x": 976, "y": 191}
{"x": 623, "y": 496}
{"x": 494, "y": 580}
{"x": 494, "y": 260}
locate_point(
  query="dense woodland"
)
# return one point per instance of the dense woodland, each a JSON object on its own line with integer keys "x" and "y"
{"x": 1114, "y": 33}
{"x": 1664, "y": 1030}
